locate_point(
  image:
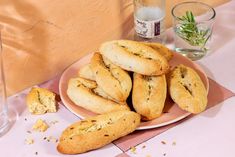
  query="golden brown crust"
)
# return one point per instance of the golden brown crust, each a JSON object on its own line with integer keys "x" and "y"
{"x": 86, "y": 72}
{"x": 95, "y": 132}
{"x": 82, "y": 93}
{"x": 161, "y": 49}
{"x": 149, "y": 95}
{"x": 114, "y": 81}
{"x": 187, "y": 89}
{"x": 40, "y": 101}
{"x": 134, "y": 56}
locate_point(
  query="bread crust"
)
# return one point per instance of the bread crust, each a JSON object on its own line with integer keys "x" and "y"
{"x": 86, "y": 72}
{"x": 161, "y": 49}
{"x": 95, "y": 132}
{"x": 82, "y": 93}
{"x": 135, "y": 56}
{"x": 187, "y": 89}
{"x": 114, "y": 81}
{"x": 149, "y": 95}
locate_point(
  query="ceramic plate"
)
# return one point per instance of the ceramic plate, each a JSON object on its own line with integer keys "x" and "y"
{"x": 172, "y": 113}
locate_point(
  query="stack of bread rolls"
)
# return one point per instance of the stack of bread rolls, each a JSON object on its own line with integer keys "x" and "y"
{"x": 122, "y": 69}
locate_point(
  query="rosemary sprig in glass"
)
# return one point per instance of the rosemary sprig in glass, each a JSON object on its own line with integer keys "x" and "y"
{"x": 189, "y": 31}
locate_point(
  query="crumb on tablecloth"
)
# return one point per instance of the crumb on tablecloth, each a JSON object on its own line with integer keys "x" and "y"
{"x": 29, "y": 141}
{"x": 133, "y": 150}
{"x": 29, "y": 132}
{"x": 51, "y": 139}
{"x": 54, "y": 122}
{"x": 163, "y": 142}
{"x": 40, "y": 126}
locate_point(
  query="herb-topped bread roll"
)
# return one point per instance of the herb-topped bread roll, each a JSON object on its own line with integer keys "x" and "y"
{"x": 161, "y": 49}
{"x": 112, "y": 79}
{"x": 86, "y": 73}
{"x": 187, "y": 89}
{"x": 95, "y": 132}
{"x": 84, "y": 93}
{"x": 149, "y": 95}
{"x": 135, "y": 56}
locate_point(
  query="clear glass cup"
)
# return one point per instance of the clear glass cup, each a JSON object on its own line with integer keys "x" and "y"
{"x": 4, "y": 120}
{"x": 193, "y": 25}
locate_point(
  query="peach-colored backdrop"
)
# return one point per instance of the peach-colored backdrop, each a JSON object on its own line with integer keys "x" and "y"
{"x": 42, "y": 38}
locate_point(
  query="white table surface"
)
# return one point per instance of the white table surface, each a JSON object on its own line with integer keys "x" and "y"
{"x": 210, "y": 134}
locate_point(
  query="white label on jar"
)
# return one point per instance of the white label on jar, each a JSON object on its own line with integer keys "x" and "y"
{"x": 147, "y": 29}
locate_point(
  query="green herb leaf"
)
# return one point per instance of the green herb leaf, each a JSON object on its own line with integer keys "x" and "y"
{"x": 189, "y": 31}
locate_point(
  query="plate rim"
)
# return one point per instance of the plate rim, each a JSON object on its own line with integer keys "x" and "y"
{"x": 140, "y": 127}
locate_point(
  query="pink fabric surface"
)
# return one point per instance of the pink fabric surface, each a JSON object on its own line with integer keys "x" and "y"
{"x": 216, "y": 94}
{"x": 122, "y": 155}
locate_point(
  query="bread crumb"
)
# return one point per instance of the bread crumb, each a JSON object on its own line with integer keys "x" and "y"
{"x": 29, "y": 141}
{"x": 174, "y": 143}
{"x": 29, "y": 132}
{"x": 164, "y": 154}
{"x": 54, "y": 122}
{"x": 133, "y": 149}
{"x": 163, "y": 142}
{"x": 40, "y": 126}
{"x": 143, "y": 146}
{"x": 148, "y": 155}
{"x": 51, "y": 139}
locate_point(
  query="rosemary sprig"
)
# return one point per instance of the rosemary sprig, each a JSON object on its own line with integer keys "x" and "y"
{"x": 189, "y": 31}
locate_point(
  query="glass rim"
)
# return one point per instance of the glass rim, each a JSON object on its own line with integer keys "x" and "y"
{"x": 193, "y": 2}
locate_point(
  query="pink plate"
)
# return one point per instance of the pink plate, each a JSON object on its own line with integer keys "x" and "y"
{"x": 172, "y": 113}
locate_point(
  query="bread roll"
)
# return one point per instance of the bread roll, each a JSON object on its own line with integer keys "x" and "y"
{"x": 86, "y": 72}
{"x": 161, "y": 49}
{"x": 95, "y": 132}
{"x": 187, "y": 89}
{"x": 134, "y": 56}
{"x": 149, "y": 95}
{"x": 82, "y": 93}
{"x": 112, "y": 79}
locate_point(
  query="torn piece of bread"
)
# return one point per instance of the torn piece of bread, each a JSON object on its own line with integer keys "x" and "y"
{"x": 40, "y": 101}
